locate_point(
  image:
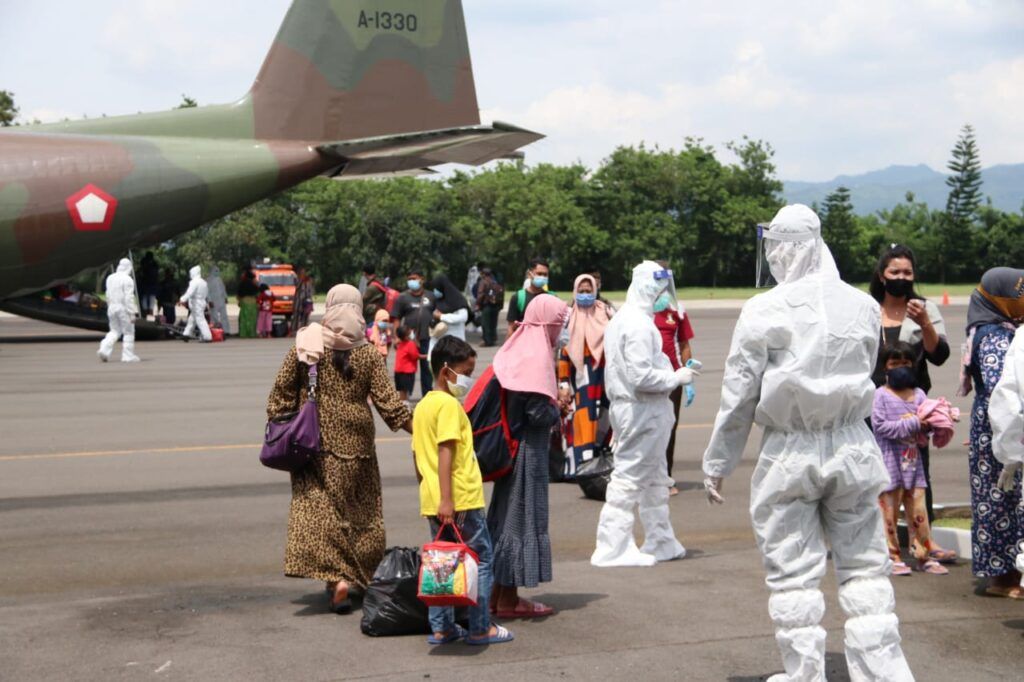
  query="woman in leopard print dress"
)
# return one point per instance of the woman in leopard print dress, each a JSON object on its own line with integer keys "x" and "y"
{"x": 336, "y": 523}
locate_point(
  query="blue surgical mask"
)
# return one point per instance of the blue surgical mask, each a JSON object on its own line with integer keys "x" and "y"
{"x": 540, "y": 282}
{"x": 438, "y": 293}
{"x": 415, "y": 285}
{"x": 382, "y": 325}
{"x": 585, "y": 300}
{"x": 663, "y": 302}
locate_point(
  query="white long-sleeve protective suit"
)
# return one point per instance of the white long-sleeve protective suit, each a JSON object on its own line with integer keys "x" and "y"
{"x": 196, "y": 297}
{"x": 218, "y": 300}
{"x": 638, "y": 381}
{"x": 122, "y": 307}
{"x": 1006, "y": 414}
{"x": 800, "y": 366}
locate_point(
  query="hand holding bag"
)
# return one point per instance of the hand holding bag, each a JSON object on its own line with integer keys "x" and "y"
{"x": 292, "y": 439}
{"x": 448, "y": 572}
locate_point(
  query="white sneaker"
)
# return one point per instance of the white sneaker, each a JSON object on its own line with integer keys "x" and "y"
{"x": 132, "y": 358}
{"x": 103, "y": 358}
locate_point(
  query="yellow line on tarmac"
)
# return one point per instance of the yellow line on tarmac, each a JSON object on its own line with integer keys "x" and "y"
{"x": 202, "y": 448}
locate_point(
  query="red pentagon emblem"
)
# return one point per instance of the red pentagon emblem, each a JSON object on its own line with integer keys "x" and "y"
{"x": 91, "y": 209}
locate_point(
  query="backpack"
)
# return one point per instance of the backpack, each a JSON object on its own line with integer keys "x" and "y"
{"x": 487, "y": 408}
{"x": 390, "y": 296}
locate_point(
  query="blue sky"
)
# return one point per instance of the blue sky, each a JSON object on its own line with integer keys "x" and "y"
{"x": 836, "y": 86}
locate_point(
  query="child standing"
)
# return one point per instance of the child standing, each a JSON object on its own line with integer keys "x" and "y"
{"x": 265, "y": 319}
{"x": 451, "y": 487}
{"x": 380, "y": 333}
{"x": 897, "y": 429}
{"x": 407, "y": 359}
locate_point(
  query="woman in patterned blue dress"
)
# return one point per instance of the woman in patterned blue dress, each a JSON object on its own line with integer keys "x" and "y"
{"x": 997, "y": 529}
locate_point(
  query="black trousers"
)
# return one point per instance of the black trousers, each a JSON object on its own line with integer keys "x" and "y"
{"x": 426, "y": 378}
{"x": 677, "y": 402}
{"x": 489, "y": 324}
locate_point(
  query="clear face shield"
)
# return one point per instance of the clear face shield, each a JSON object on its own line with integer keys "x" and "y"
{"x": 666, "y": 283}
{"x": 776, "y": 251}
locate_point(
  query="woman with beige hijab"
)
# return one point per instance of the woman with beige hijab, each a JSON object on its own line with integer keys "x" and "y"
{"x": 336, "y": 523}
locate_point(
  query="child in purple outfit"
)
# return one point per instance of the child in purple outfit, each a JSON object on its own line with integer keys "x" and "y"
{"x": 899, "y": 432}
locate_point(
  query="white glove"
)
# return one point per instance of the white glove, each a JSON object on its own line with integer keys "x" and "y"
{"x": 686, "y": 375}
{"x": 713, "y": 487}
{"x": 1008, "y": 477}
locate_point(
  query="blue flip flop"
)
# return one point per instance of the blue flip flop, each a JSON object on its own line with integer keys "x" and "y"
{"x": 501, "y": 637}
{"x": 458, "y": 633}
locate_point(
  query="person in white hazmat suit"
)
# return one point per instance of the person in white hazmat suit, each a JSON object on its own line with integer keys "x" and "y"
{"x": 122, "y": 308}
{"x": 800, "y": 366}
{"x": 218, "y": 300}
{"x": 639, "y": 380}
{"x": 1006, "y": 415}
{"x": 195, "y": 298}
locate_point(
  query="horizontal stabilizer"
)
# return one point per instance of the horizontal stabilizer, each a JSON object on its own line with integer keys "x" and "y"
{"x": 472, "y": 145}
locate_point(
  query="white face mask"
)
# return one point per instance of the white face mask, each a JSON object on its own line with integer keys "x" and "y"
{"x": 462, "y": 385}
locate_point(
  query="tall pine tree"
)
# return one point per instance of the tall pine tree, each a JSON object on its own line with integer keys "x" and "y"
{"x": 953, "y": 236}
{"x": 965, "y": 181}
{"x": 841, "y": 231}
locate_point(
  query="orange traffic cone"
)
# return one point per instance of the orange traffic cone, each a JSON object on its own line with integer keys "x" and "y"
{"x": 945, "y": 297}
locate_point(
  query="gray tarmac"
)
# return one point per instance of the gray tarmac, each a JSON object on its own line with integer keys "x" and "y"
{"x": 141, "y": 539}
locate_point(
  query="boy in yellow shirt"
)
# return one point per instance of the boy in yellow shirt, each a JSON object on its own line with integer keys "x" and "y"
{"x": 451, "y": 487}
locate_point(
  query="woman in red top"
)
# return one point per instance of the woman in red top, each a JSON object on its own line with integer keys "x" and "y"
{"x": 676, "y": 333}
{"x": 407, "y": 359}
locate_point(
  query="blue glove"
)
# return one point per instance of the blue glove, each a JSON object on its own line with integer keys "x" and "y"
{"x": 691, "y": 393}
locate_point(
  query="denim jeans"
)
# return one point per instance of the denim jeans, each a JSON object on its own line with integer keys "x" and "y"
{"x": 473, "y": 526}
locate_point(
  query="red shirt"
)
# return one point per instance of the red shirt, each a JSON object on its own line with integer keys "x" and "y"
{"x": 407, "y": 357}
{"x": 265, "y": 301}
{"x": 674, "y": 333}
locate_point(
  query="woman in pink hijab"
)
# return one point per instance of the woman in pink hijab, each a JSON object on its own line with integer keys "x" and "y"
{"x": 518, "y": 516}
{"x": 336, "y": 522}
{"x": 581, "y": 375}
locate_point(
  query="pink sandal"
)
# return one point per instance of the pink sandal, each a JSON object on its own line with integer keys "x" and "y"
{"x": 943, "y": 556}
{"x": 931, "y": 566}
{"x": 526, "y": 609}
{"x": 900, "y": 568}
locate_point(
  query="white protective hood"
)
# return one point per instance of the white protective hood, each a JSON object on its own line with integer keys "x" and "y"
{"x": 124, "y": 266}
{"x": 644, "y": 289}
{"x": 195, "y": 272}
{"x": 794, "y": 247}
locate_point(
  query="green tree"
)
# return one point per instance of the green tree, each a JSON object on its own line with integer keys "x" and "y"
{"x": 965, "y": 181}
{"x": 8, "y": 110}
{"x": 841, "y": 231}
{"x": 187, "y": 103}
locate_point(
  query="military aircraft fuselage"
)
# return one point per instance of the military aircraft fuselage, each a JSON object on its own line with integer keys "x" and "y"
{"x": 68, "y": 202}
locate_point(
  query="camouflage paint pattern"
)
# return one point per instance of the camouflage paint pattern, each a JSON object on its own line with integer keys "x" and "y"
{"x": 348, "y": 86}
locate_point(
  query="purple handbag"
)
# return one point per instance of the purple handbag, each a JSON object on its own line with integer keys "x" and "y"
{"x": 292, "y": 439}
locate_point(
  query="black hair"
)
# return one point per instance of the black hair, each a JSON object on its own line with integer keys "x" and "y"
{"x": 901, "y": 350}
{"x": 534, "y": 262}
{"x": 449, "y": 351}
{"x": 403, "y": 331}
{"x": 370, "y": 269}
{"x": 342, "y": 361}
{"x": 264, "y": 286}
{"x": 877, "y": 287}
{"x": 414, "y": 272}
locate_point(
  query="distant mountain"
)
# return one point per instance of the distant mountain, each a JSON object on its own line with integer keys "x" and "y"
{"x": 883, "y": 189}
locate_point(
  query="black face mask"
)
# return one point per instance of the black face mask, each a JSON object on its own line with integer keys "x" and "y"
{"x": 900, "y": 288}
{"x": 901, "y": 377}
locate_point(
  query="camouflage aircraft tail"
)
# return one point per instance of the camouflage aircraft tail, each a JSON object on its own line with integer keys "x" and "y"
{"x": 349, "y": 69}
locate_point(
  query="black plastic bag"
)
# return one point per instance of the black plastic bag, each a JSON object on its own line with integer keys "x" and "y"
{"x": 390, "y": 606}
{"x": 593, "y": 475}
